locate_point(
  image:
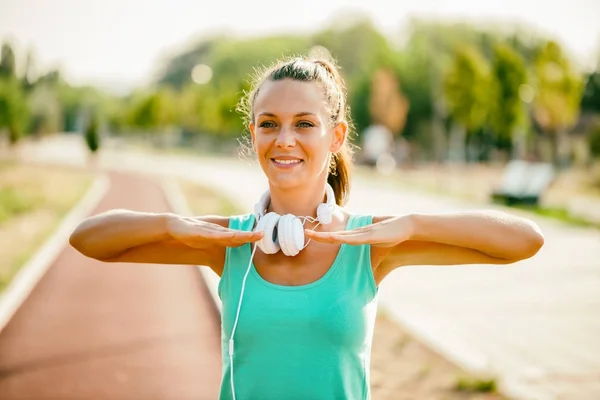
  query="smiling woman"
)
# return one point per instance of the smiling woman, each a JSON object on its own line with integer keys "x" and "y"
{"x": 300, "y": 275}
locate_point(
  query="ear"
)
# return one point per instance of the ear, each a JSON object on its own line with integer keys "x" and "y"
{"x": 251, "y": 128}
{"x": 340, "y": 131}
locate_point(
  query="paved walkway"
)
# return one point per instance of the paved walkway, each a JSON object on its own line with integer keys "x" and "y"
{"x": 92, "y": 330}
{"x": 534, "y": 324}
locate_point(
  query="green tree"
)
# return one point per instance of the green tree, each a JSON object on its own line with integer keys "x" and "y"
{"x": 556, "y": 104}
{"x": 507, "y": 112}
{"x": 590, "y": 100}
{"x": 594, "y": 141}
{"x": 13, "y": 108}
{"x": 92, "y": 135}
{"x": 7, "y": 61}
{"x": 154, "y": 112}
{"x": 466, "y": 88}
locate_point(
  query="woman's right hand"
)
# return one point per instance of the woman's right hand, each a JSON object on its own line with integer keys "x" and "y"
{"x": 202, "y": 234}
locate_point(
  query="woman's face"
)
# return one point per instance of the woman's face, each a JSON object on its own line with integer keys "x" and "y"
{"x": 291, "y": 133}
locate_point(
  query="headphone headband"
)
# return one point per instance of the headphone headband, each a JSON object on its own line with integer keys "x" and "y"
{"x": 260, "y": 208}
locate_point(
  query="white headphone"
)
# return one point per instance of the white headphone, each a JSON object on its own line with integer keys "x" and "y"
{"x": 285, "y": 233}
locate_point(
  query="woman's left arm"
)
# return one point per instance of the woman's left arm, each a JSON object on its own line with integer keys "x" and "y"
{"x": 477, "y": 237}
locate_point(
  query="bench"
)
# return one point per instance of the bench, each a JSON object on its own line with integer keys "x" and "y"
{"x": 524, "y": 182}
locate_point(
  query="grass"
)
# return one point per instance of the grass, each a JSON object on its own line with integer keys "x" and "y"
{"x": 475, "y": 385}
{"x": 33, "y": 200}
{"x": 13, "y": 203}
{"x": 558, "y": 213}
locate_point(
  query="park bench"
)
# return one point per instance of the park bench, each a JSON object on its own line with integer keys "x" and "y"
{"x": 524, "y": 182}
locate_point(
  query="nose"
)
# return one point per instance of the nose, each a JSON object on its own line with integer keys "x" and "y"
{"x": 285, "y": 138}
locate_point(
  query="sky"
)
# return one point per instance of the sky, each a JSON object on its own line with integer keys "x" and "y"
{"x": 117, "y": 43}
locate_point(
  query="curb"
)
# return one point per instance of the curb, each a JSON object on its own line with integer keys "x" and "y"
{"x": 34, "y": 269}
{"x": 179, "y": 205}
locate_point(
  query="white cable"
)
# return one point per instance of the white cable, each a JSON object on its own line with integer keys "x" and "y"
{"x": 231, "y": 343}
{"x": 237, "y": 315}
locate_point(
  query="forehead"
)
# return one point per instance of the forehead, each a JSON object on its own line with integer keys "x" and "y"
{"x": 289, "y": 97}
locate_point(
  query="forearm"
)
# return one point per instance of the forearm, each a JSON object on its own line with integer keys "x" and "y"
{"x": 496, "y": 234}
{"x": 113, "y": 232}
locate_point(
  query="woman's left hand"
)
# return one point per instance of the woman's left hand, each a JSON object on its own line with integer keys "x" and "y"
{"x": 387, "y": 233}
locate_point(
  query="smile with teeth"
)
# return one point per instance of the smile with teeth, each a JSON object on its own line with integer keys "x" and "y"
{"x": 286, "y": 162}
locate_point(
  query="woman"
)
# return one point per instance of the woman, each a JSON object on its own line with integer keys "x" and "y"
{"x": 300, "y": 275}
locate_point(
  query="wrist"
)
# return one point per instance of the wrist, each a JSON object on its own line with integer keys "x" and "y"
{"x": 413, "y": 226}
{"x": 167, "y": 221}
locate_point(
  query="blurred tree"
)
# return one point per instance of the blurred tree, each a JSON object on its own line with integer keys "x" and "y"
{"x": 176, "y": 71}
{"x": 51, "y": 78}
{"x": 590, "y": 101}
{"x": 29, "y": 74}
{"x": 7, "y": 61}
{"x": 45, "y": 110}
{"x": 388, "y": 106}
{"x": 356, "y": 44}
{"x": 507, "y": 112}
{"x": 155, "y": 111}
{"x": 557, "y": 100}
{"x": 13, "y": 108}
{"x": 466, "y": 88}
{"x": 358, "y": 99}
{"x": 594, "y": 141}
{"x": 92, "y": 135}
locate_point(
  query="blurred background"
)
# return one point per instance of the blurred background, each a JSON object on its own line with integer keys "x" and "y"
{"x": 458, "y": 81}
{"x": 488, "y": 102}
{"x": 431, "y": 83}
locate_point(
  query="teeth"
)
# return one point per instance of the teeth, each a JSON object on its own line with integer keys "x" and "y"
{"x": 287, "y": 161}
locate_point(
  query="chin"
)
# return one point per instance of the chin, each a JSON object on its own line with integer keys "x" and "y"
{"x": 285, "y": 182}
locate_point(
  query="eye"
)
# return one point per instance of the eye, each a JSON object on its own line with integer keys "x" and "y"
{"x": 267, "y": 124}
{"x": 305, "y": 124}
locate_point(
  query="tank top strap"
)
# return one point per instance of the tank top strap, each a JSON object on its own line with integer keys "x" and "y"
{"x": 361, "y": 271}
{"x": 236, "y": 258}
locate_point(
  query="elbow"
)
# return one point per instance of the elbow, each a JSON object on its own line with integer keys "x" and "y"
{"x": 76, "y": 239}
{"x": 535, "y": 241}
{"x": 79, "y": 240}
{"x": 527, "y": 248}
{"x": 534, "y": 244}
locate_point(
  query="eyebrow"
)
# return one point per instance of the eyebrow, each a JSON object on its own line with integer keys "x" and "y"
{"x": 300, "y": 114}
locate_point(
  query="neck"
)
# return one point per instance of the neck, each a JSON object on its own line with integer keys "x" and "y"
{"x": 300, "y": 201}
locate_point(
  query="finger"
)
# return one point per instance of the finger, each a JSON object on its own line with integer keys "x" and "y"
{"x": 230, "y": 235}
{"x": 325, "y": 237}
{"x": 245, "y": 237}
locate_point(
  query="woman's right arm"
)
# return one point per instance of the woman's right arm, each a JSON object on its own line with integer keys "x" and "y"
{"x": 162, "y": 238}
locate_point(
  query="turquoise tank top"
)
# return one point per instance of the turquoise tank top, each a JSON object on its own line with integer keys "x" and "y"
{"x": 307, "y": 342}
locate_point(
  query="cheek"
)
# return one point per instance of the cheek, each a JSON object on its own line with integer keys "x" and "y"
{"x": 318, "y": 149}
{"x": 261, "y": 145}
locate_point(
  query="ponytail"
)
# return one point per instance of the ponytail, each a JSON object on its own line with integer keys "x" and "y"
{"x": 340, "y": 173}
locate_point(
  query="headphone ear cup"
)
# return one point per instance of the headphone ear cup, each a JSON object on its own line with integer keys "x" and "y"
{"x": 291, "y": 235}
{"x": 268, "y": 224}
{"x": 324, "y": 213}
